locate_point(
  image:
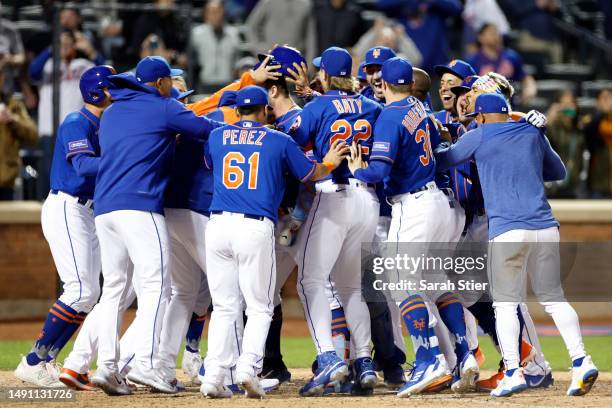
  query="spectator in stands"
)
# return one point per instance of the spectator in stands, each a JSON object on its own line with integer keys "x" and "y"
{"x": 70, "y": 20}
{"x": 216, "y": 45}
{"x": 282, "y": 22}
{"x": 425, "y": 24}
{"x": 12, "y": 55}
{"x": 566, "y": 137}
{"x": 476, "y": 13}
{"x": 492, "y": 56}
{"x": 72, "y": 65}
{"x": 339, "y": 23}
{"x": 534, "y": 19}
{"x": 17, "y": 130}
{"x": 168, "y": 26}
{"x": 388, "y": 34}
{"x": 598, "y": 133}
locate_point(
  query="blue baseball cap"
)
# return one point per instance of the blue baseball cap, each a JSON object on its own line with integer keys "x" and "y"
{"x": 150, "y": 69}
{"x": 378, "y": 55}
{"x": 251, "y": 96}
{"x": 457, "y": 67}
{"x": 178, "y": 95}
{"x": 465, "y": 86}
{"x": 335, "y": 61}
{"x": 397, "y": 71}
{"x": 284, "y": 56}
{"x": 490, "y": 103}
{"x": 361, "y": 75}
{"x": 228, "y": 98}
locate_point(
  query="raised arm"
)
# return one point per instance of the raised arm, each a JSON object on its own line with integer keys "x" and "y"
{"x": 553, "y": 168}
{"x": 460, "y": 152}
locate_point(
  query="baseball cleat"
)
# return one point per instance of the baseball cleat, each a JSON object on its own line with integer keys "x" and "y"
{"x": 467, "y": 373}
{"x": 37, "y": 374}
{"x": 489, "y": 384}
{"x": 539, "y": 380}
{"x": 329, "y": 368}
{"x": 54, "y": 368}
{"x": 191, "y": 364}
{"x": 110, "y": 382}
{"x": 275, "y": 369}
{"x": 268, "y": 385}
{"x": 147, "y": 376}
{"x": 440, "y": 384}
{"x": 210, "y": 390}
{"x": 394, "y": 376}
{"x": 422, "y": 375}
{"x": 250, "y": 384}
{"x": 288, "y": 234}
{"x": 76, "y": 381}
{"x": 583, "y": 377}
{"x": 364, "y": 373}
{"x": 510, "y": 384}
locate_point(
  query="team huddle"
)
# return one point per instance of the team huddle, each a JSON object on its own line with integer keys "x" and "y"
{"x": 209, "y": 206}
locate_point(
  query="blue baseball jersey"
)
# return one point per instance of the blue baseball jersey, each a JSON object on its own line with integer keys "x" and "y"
{"x": 77, "y": 135}
{"x": 191, "y": 184}
{"x": 292, "y": 185}
{"x": 402, "y": 137}
{"x": 445, "y": 117}
{"x": 336, "y": 115}
{"x": 465, "y": 182}
{"x": 514, "y": 159}
{"x": 249, "y": 163}
{"x": 284, "y": 122}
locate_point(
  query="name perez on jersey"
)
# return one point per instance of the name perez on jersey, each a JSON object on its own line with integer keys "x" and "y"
{"x": 242, "y": 137}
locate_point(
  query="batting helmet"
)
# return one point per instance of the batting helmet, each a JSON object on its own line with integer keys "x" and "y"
{"x": 285, "y": 57}
{"x": 93, "y": 81}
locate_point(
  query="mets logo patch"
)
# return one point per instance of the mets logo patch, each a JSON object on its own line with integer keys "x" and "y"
{"x": 376, "y": 52}
{"x": 78, "y": 144}
{"x": 381, "y": 146}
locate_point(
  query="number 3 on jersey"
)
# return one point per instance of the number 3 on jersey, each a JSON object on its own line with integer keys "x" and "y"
{"x": 423, "y": 136}
{"x": 343, "y": 130}
{"x": 233, "y": 175}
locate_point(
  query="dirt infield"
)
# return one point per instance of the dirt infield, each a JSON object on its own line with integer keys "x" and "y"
{"x": 600, "y": 396}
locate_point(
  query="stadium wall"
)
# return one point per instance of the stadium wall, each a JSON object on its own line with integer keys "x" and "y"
{"x": 29, "y": 282}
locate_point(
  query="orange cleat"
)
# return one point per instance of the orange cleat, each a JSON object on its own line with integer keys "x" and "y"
{"x": 440, "y": 384}
{"x": 480, "y": 357}
{"x": 491, "y": 383}
{"x": 76, "y": 381}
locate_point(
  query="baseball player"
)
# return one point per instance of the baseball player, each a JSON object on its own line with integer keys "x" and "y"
{"x": 248, "y": 161}
{"x": 467, "y": 187}
{"x": 401, "y": 156}
{"x": 531, "y": 220}
{"x": 68, "y": 225}
{"x": 385, "y": 320}
{"x": 451, "y": 75}
{"x": 137, "y": 138}
{"x": 372, "y": 64}
{"x": 343, "y": 216}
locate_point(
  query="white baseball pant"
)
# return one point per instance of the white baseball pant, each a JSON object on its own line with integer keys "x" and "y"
{"x": 241, "y": 263}
{"x": 513, "y": 257}
{"x": 186, "y": 231}
{"x": 70, "y": 230}
{"x": 142, "y": 238}
{"x": 341, "y": 219}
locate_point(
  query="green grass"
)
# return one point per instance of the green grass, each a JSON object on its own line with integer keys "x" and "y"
{"x": 299, "y": 352}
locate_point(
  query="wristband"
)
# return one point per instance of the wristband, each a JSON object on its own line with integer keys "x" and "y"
{"x": 329, "y": 166}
